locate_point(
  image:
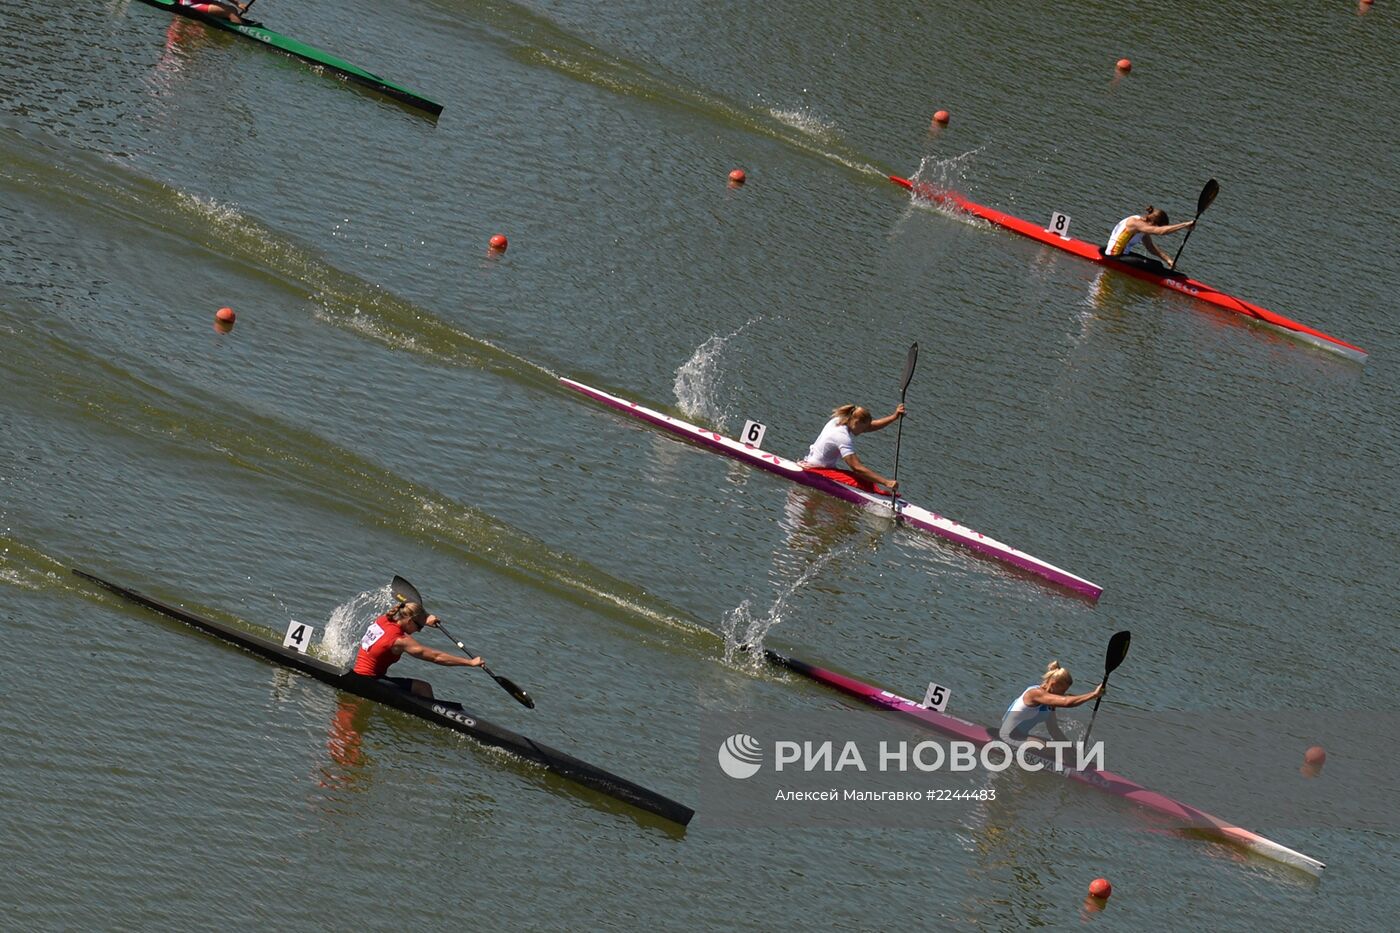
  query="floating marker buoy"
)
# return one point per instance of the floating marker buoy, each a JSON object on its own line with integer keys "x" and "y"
{"x": 499, "y": 243}
{"x": 941, "y": 118}
{"x": 223, "y": 320}
{"x": 737, "y": 177}
{"x": 1125, "y": 65}
{"x": 1100, "y": 888}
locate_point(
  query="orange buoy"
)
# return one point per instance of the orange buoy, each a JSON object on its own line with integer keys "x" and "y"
{"x": 941, "y": 118}
{"x": 499, "y": 243}
{"x": 1100, "y": 888}
{"x": 1125, "y": 65}
{"x": 225, "y": 316}
{"x": 737, "y": 177}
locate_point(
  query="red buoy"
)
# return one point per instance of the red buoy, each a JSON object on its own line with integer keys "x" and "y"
{"x": 737, "y": 177}
{"x": 1100, "y": 888}
{"x": 1125, "y": 65}
{"x": 225, "y": 316}
{"x": 941, "y": 118}
{"x": 499, "y": 243}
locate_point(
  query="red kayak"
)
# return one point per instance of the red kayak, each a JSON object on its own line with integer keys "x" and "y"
{"x": 1173, "y": 280}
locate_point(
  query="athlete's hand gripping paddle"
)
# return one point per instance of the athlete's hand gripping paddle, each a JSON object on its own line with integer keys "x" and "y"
{"x": 406, "y": 592}
{"x": 909, "y": 363}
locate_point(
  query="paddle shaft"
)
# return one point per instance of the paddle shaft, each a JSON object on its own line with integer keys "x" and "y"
{"x": 1208, "y": 194}
{"x": 909, "y": 364}
{"x": 407, "y": 592}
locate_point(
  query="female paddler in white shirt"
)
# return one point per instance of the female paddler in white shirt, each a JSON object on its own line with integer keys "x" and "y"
{"x": 1037, "y": 704}
{"x": 836, "y": 445}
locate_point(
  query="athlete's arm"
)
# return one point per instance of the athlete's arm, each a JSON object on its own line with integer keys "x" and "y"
{"x": 879, "y": 423}
{"x": 409, "y": 645}
{"x": 870, "y": 476}
{"x": 1039, "y": 696}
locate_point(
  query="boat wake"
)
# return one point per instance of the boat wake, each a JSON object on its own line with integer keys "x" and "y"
{"x": 744, "y": 630}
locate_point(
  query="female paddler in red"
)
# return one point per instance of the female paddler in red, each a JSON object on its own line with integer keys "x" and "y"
{"x": 390, "y": 636}
{"x": 836, "y": 445}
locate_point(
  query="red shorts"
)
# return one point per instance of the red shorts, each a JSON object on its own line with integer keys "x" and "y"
{"x": 848, "y": 479}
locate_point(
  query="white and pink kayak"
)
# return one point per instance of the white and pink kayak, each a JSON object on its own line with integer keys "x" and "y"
{"x": 911, "y": 515}
{"x": 1183, "y": 815}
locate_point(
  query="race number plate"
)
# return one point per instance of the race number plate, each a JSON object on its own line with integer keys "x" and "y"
{"x": 753, "y": 433}
{"x": 936, "y": 697}
{"x": 298, "y": 636}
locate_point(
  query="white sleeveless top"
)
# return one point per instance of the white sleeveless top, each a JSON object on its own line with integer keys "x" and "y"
{"x": 1119, "y": 242}
{"x": 1020, "y": 718}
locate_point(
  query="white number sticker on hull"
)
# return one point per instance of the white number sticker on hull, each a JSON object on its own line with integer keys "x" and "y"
{"x": 298, "y": 636}
{"x": 936, "y": 697}
{"x": 753, "y": 433}
{"x": 1059, "y": 225}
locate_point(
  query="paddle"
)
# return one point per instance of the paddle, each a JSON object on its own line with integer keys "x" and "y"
{"x": 912, "y": 359}
{"x": 1208, "y": 194}
{"x": 1117, "y": 651}
{"x": 406, "y": 592}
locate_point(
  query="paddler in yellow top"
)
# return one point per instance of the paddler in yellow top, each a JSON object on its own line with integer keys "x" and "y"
{"x": 1140, "y": 229}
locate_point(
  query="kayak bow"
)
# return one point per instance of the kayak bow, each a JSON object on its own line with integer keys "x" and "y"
{"x": 1175, "y": 281}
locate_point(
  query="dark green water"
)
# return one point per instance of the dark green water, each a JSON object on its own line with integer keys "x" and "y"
{"x": 388, "y": 403}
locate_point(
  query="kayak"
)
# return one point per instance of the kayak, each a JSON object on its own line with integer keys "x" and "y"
{"x": 1183, "y": 814}
{"x": 443, "y": 713}
{"x": 911, "y": 515}
{"x": 259, "y": 33}
{"x": 1175, "y": 281}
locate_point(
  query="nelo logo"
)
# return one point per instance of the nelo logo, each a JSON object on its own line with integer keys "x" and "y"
{"x": 740, "y": 756}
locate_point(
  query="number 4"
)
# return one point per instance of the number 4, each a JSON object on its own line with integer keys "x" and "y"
{"x": 298, "y": 636}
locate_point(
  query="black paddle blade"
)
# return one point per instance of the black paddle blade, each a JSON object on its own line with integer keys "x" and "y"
{"x": 1208, "y": 194}
{"x": 405, "y": 592}
{"x": 512, "y": 688}
{"x": 909, "y": 369}
{"x": 1117, "y": 651}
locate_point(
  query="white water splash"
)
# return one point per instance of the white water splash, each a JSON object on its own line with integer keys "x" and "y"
{"x": 348, "y": 622}
{"x": 807, "y": 122}
{"x": 697, "y": 380}
{"x": 946, "y": 174}
{"x": 744, "y": 631}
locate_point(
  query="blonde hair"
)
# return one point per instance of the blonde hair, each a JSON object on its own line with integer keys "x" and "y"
{"x": 406, "y": 612}
{"x": 1054, "y": 672}
{"x": 848, "y": 413}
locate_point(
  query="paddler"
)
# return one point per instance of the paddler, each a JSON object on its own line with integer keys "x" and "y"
{"x": 391, "y": 636}
{"x": 1037, "y": 704}
{"x": 220, "y": 9}
{"x": 836, "y": 445}
{"x": 1138, "y": 229}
